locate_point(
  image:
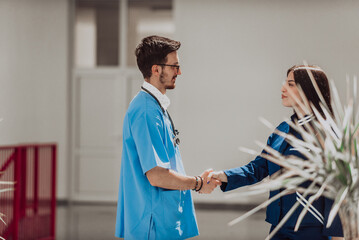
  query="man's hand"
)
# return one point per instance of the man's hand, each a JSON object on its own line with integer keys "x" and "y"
{"x": 220, "y": 176}
{"x": 208, "y": 185}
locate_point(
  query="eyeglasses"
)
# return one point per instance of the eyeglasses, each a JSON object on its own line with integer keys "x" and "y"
{"x": 174, "y": 66}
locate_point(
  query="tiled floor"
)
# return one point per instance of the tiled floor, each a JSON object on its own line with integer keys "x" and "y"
{"x": 97, "y": 222}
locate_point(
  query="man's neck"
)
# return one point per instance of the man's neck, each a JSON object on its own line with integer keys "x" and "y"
{"x": 156, "y": 83}
{"x": 162, "y": 98}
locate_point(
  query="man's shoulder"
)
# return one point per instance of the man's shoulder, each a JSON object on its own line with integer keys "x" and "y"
{"x": 143, "y": 103}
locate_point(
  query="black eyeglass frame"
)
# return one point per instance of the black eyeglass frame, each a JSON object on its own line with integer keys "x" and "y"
{"x": 169, "y": 65}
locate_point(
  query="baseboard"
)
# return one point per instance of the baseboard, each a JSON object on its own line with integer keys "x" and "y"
{"x": 198, "y": 205}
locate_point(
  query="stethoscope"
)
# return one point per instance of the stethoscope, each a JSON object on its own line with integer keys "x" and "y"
{"x": 176, "y": 140}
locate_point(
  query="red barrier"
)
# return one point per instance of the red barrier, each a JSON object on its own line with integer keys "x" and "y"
{"x": 30, "y": 209}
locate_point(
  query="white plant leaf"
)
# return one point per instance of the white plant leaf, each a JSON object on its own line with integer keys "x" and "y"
{"x": 338, "y": 201}
{"x": 259, "y": 207}
{"x": 289, "y": 214}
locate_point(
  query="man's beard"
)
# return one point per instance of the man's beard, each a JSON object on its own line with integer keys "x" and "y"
{"x": 162, "y": 76}
{"x": 163, "y": 81}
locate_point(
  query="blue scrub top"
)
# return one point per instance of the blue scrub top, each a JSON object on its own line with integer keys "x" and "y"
{"x": 145, "y": 211}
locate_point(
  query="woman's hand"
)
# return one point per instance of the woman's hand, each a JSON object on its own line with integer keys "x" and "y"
{"x": 207, "y": 185}
{"x": 220, "y": 175}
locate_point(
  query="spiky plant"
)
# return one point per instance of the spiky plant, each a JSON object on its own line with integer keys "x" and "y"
{"x": 330, "y": 145}
{"x": 4, "y": 187}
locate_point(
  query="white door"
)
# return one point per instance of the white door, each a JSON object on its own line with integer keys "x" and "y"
{"x": 100, "y": 100}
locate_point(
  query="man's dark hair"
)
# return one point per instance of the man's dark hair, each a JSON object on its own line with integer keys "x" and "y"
{"x": 302, "y": 79}
{"x": 153, "y": 50}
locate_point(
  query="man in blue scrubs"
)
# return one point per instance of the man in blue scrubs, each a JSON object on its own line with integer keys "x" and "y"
{"x": 154, "y": 200}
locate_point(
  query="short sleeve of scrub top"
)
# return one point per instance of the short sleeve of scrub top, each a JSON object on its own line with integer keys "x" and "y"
{"x": 149, "y": 136}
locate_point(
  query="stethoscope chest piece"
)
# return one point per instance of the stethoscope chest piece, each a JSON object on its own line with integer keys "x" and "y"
{"x": 176, "y": 141}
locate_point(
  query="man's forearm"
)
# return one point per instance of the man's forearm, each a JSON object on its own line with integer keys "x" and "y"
{"x": 169, "y": 179}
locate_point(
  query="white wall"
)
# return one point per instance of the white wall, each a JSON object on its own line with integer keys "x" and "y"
{"x": 34, "y": 76}
{"x": 234, "y": 57}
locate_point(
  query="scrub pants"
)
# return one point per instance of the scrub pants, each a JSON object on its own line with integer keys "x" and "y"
{"x": 303, "y": 233}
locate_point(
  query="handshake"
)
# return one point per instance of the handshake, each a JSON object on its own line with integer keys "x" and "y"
{"x": 210, "y": 180}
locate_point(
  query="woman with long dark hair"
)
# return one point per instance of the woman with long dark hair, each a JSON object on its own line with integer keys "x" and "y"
{"x": 260, "y": 168}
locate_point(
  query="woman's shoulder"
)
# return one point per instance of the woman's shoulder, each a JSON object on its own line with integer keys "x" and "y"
{"x": 283, "y": 127}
